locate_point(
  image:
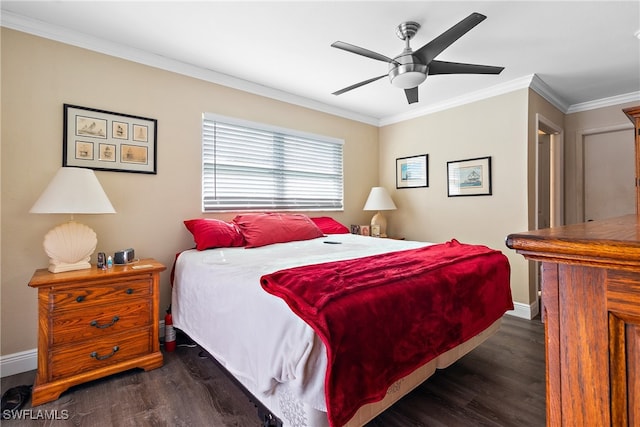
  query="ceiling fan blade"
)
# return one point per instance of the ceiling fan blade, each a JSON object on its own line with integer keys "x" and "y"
{"x": 432, "y": 49}
{"x": 412, "y": 95}
{"x": 443, "y": 67}
{"x": 361, "y": 51}
{"x": 347, "y": 89}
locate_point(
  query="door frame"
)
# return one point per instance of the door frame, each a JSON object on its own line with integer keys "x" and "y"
{"x": 556, "y": 169}
{"x": 556, "y": 190}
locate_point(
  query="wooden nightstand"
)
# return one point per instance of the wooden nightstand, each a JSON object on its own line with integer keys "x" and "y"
{"x": 94, "y": 323}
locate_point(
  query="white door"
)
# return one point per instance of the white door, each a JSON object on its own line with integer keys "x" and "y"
{"x": 609, "y": 175}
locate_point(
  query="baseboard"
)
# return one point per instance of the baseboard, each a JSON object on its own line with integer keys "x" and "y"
{"x": 524, "y": 311}
{"x": 18, "y": 363}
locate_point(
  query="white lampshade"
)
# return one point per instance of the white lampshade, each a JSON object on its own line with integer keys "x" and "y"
{"x": 379, "y": 200}
{"x": 72, "y": 191}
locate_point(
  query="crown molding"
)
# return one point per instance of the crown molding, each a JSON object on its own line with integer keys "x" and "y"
{"x": 604, "y": 102}
{"x": 542, "y": 89}
{"x": 510, "y": 86}
{"x": 63, "y": 35}
{"x": 545, "y": 91}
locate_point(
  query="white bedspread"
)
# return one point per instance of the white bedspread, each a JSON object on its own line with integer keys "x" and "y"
{"x": 218, "y": 301}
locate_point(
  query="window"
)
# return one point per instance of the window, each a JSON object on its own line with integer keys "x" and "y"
{"x": 251, "y": 166}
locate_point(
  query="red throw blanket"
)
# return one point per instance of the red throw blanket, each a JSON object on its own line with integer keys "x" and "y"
{"x": 381, "y": 317}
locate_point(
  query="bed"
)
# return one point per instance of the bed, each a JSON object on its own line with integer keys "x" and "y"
{"x": 237, "y": 303}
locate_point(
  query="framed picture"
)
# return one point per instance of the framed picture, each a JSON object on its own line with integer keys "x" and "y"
{"x": 104, "y": 140}
{"x": 470, "y": 177}
{"x": 365, "y": 230}
{"x": 375, "y": 230}
{"x": 355, "y": 229}
{"x": 412, "y": 172}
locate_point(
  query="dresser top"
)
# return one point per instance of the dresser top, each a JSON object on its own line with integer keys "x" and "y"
{"x": 43, "y": 277}
{"x": 615, "y": 240}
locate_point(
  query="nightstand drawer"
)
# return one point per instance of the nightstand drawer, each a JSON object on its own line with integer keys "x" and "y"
{"x": 75, "y": 359}
{"x": 81, "y": 297}
{"x": 99, "y": 321}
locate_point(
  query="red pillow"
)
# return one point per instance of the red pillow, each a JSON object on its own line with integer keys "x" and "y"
{"x": 265, "y": 229}
{"x": 329, "y": 225}
{"x": 213, "y": 233}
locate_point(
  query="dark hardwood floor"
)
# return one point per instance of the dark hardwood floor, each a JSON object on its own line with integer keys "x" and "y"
{"x": 501, "y": 383}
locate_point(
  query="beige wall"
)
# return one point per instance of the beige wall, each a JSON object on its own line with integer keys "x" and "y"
{"x": 39, "y": 76}
{"x": 495, "y": 127}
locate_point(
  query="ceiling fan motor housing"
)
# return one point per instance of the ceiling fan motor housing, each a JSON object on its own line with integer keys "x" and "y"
{"x": 406, "y": 71}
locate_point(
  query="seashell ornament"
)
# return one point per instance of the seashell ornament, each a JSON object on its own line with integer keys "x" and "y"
{"x": 69, "y": 247}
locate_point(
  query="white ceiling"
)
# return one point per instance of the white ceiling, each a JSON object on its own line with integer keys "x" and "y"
{"x": 579, "y": 52}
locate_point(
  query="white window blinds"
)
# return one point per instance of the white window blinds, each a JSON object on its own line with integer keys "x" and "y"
{"x": 250, "y": 166}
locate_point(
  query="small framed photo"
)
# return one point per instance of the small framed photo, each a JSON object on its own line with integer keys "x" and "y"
{"x": 120, "y": 130}
{"x": 412, "y": 172}
{"x": 470, "y": 177}
{"x": 133, "y": 154}
{"x": 375, "y": 230}
{"x": 355, "y": 229}
{"x": 365, "y": 230}
{"x": 140, "y": 133}
{"x": 122, "y": 142}
{"x": 107, "y": 152}
{"x": 84, "y": 150}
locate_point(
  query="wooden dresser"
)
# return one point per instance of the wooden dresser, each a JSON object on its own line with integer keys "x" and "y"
{"x": 93, "y": 323}
{"x": 591, "y": 310}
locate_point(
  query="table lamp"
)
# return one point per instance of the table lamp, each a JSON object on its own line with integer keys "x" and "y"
{"x": 72, "y": 191}
{"x": 379, "y": 200}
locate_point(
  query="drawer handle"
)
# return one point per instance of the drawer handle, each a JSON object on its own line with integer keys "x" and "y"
{"x": 106, "y": 356}
{"x": 80, "y": 298}
{"x": 106, "y": 325}
{"x": 129, "y": 291}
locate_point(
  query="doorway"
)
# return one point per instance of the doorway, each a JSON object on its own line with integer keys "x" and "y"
{"x": 544, "y": 180}
{"x": 549, "y": 174}
{"x": 549, "y": 183}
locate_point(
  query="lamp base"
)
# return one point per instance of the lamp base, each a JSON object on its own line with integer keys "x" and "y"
{"x": 69, "y": 247}
{"x": 63, "y": 266}
{"x": 379, "y": 219}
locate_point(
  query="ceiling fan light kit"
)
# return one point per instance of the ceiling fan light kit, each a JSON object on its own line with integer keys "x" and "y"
{"x": 409, "y": 69}
{"x": 408, "y": 76}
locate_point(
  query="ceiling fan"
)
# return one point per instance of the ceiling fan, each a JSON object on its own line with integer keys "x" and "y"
{"x": 410, "y": 68}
